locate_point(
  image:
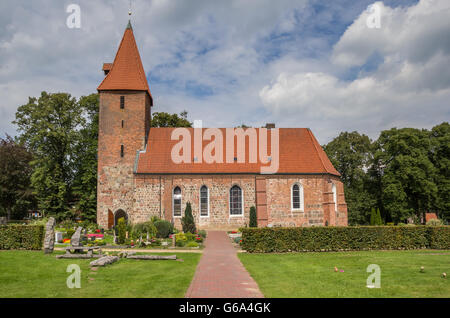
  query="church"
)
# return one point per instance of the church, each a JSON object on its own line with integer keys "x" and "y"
{"x": 145, "y": 171}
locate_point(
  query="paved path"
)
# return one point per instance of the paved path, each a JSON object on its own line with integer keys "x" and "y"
{"x": 220, "y": 273}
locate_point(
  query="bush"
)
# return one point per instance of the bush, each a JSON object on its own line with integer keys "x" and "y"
{"x": 121, "y": 231}
{"x": 192, "y": 244}
{"x": 141, "y": 229}
{"x": 253, "y": 220}
{"x": 202, "y": 233}
{"x": 190, "y": 236}
{"x": 68, "y": 234}
{"x": 163, "y": 228}
{"x": 29, "y": 237}
{"x": 435, "y": 222}
{"x": 187, "y": 221}
{"x": 308, "y": 239}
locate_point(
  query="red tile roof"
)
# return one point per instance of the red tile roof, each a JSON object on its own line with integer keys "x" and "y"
{"x": 127, "y": 72}
{"x": 299, "y": 153}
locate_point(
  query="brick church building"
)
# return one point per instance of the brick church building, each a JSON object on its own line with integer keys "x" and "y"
{"x": 138, "y": 178}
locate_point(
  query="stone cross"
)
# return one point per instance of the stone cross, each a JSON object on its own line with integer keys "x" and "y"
{"x": 49, "y": 241}
{"x": 76, "y": 237}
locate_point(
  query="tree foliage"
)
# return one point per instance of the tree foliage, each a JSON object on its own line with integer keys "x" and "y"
{"x": 163, "y": 119}
{"x": 16, "y": 195}
{"x": 61, "y": 132}
{"x": 404, "y": 173}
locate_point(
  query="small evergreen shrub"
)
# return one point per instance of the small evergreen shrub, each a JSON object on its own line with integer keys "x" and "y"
{"x": 253, "y": 219}
{"x": 202, "y": 233}
{"x": 163, "y": 228}
{"x": 192, "y": 244}
{"x": 187, "y": 221}
{"x": 121, "y": 231}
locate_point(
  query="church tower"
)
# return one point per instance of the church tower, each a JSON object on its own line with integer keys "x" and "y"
{"x": 124, "y": 123}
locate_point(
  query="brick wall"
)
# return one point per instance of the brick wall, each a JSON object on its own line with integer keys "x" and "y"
{"x": 128, "y": 127}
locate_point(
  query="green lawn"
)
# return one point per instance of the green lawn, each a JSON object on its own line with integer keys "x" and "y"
{"x": 33, "y": 274}
{"x": 313, "y": 275}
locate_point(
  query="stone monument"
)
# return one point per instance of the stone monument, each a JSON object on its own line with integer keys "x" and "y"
{"x": 49, "y": 241}
{"x": 76, "y": 238}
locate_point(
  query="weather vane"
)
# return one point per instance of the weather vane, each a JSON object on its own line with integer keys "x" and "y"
{"x": 129, "y": 9}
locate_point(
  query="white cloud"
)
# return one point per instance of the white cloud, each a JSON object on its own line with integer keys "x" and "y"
{"x": 411, "y": 86}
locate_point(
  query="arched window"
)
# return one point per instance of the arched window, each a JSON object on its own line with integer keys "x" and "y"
{"x": 236, "y": 200}
{"x": 333, "y": 189}
{"x": 297, "y": 202}
{"x": 177, "y": 201}
{"x": 204, "y": 201}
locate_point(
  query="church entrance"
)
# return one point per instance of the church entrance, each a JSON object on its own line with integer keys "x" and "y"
{"x": 120, "y": 214}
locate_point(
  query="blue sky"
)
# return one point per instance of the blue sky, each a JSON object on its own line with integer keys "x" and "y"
{"x": 298, "y": 63}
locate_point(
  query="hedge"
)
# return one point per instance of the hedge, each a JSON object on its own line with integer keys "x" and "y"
{"x": 29, "y": 237}
{"x": 316, "y": 239}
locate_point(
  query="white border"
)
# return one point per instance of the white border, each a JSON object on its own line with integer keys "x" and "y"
{"x": 200, "y": 201}
{"x": 302, "y": 197}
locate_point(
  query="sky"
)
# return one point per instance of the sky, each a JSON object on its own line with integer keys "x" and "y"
{"x": 305, "y": 63}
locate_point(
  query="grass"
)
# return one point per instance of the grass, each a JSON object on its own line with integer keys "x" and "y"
{"x": 33, "y": 274}
{"x": 312, "y": 274}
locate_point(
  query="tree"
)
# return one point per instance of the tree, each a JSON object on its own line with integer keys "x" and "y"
{"x": 48, "y": 127}
{"x": 406, "y": 174}
{"x": 440, "y": 157}
{"x": 163, "y": 119}
{"x": 350, "y": 153}
{"x": 15, "y": 173}
{"x": 85, "y": 178}
{"x": 187, "y": 221}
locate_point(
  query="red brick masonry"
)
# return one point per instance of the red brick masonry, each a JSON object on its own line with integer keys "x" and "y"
{"x": 220, "y": 274}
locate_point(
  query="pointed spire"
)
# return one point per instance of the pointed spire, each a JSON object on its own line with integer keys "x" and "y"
{"x": 129, "y": 25}
{"x": 127, "y": 72}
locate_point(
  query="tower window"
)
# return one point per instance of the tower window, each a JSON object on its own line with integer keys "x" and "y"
{"x": 121, "y": 151}
{"x": 122, "y": 123}
{"x": 122, "y": 102}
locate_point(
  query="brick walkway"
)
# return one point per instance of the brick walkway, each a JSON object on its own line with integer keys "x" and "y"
{"x": 220, "y": 274}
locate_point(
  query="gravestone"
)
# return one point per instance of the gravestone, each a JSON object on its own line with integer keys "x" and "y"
{"x": 76, "y": 237}
{"x": 49, "y": 241}
{"x": 3, "y": 220}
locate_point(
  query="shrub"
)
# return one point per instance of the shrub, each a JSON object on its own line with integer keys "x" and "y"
{"x": 163, "y": 228}
{"x": 190, "y": 236}
{"x": 192, "y": 244}
{"x": 202, "y": 233}
{"x": 29, "y": 237}
{"x": 187, "y": 221}
{"x": 121, "y": 231}
{"x": 141, "y": 229}
{"x": 69, "y": 233}
{"x": 253, "y": 220}
{"x": 435, "y": 222}
{"x": 181, "y": 237}
{"x": 308, "y": 239}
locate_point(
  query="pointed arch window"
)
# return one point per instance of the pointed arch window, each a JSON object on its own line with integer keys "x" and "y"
{"x": 176, "y": 201}
{"x": 204, "y": 201}
{"x": 236, "y": 206}
{"x": 297, "y": 200}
